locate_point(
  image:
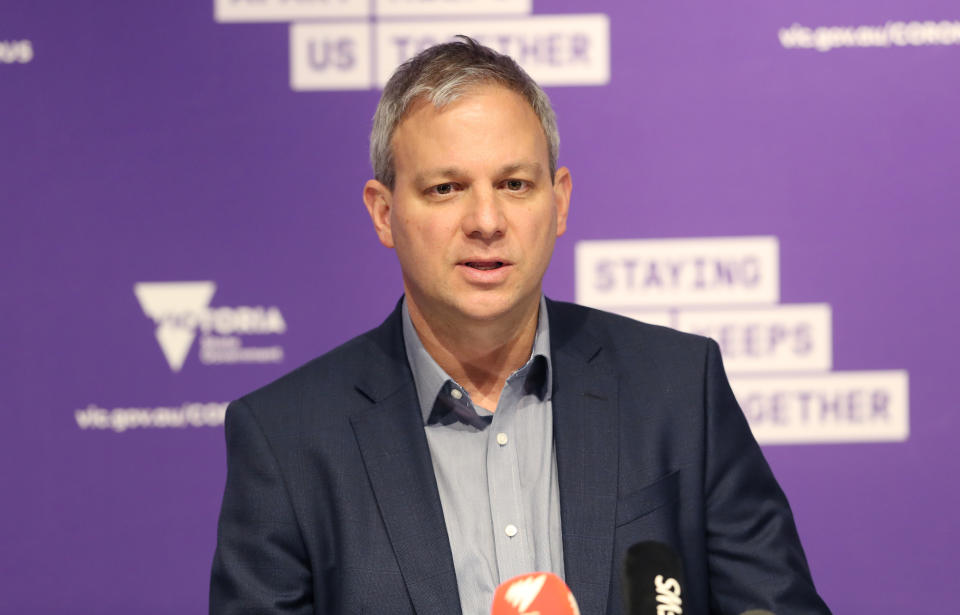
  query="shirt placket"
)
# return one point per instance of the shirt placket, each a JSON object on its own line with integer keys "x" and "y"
{"x": 510, "y": 528}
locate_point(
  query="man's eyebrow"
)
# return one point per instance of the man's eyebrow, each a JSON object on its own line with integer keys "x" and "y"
{"x": 450, "y": 173}
{"x": 435, "y": 174}
{"x": 533, "y": 168}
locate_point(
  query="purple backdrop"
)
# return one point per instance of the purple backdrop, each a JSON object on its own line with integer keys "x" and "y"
{"x": 146, "y": 142}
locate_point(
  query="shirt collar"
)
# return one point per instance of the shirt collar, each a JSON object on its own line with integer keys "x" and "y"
{"x": 430, "y": 378}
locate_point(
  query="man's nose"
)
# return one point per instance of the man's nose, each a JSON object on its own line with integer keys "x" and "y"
{"x": 484, "y": 217}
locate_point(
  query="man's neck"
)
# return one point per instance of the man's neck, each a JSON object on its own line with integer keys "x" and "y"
{"x": 479, "y": 356}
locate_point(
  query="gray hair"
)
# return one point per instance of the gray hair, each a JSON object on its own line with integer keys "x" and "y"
{"x": 442, "y": 74}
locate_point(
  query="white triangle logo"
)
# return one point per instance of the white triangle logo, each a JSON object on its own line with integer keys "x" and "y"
{"x": 176, "y": 307}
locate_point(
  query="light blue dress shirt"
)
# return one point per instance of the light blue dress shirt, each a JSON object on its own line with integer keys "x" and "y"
{"x": 496, "y": 471}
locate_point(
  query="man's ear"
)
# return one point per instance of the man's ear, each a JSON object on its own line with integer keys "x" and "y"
{"x": 562, "y": 187}
{"x": 379, "y": 202}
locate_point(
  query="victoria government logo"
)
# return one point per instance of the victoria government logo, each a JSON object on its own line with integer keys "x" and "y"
{"x": 181, "y": 312}
{"x": 357, "y": 44}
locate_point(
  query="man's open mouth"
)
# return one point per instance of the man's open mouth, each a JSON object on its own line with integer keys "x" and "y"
{"x": 484, "y": 265}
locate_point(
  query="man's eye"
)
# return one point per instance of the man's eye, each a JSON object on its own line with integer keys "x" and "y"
{"x": 443, "y": 189}
{"x": 515, "y": 185}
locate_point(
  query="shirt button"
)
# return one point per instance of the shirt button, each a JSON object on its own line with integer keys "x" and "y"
{"x": 456, "y": 394}
{"x": 511, "y": 530}
{"x": 502, "y": 439}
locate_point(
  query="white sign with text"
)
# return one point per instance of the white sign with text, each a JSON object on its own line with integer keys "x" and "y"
{"x": 327, "y": 56}
{"x": 644, "y": 273}
{"x": 784, "y": 337}
{"x": 829, "y": 407}
{"x": 431, "y": 8}
{"x": 226, "y": 11}
{"x": 553, "y": 49}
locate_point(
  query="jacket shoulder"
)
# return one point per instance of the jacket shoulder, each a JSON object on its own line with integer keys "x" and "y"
{"x": 330, "y": 382}
{"x": 622, "y": 334}
{"x": 329, "y": 368}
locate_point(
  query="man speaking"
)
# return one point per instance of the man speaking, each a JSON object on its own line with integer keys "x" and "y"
{"x": 483, "y": 431}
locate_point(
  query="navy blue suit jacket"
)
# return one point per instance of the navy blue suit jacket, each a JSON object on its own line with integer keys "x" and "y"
{"x": 331, "y": 505}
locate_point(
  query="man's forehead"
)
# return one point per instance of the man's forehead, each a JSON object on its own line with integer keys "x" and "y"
{"x": 451, "y": 172}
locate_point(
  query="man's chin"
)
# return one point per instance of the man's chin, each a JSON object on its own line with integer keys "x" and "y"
{"x": 488, "y": 309}
{"x": 471, "y": 306}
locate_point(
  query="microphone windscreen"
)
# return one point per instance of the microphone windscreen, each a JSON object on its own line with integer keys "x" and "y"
{"x": 652, "y": 580}
{"x": 537, "y": 593}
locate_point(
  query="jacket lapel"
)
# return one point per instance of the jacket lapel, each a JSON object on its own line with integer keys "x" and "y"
{"x": 397, "y": 459}
{"x": 585, "y": 415}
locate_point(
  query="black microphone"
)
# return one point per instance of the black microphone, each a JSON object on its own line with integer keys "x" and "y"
{"x": 652, "y": 580}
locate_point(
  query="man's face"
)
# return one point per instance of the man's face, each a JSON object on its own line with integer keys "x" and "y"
{"x": 473, "y": 215}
